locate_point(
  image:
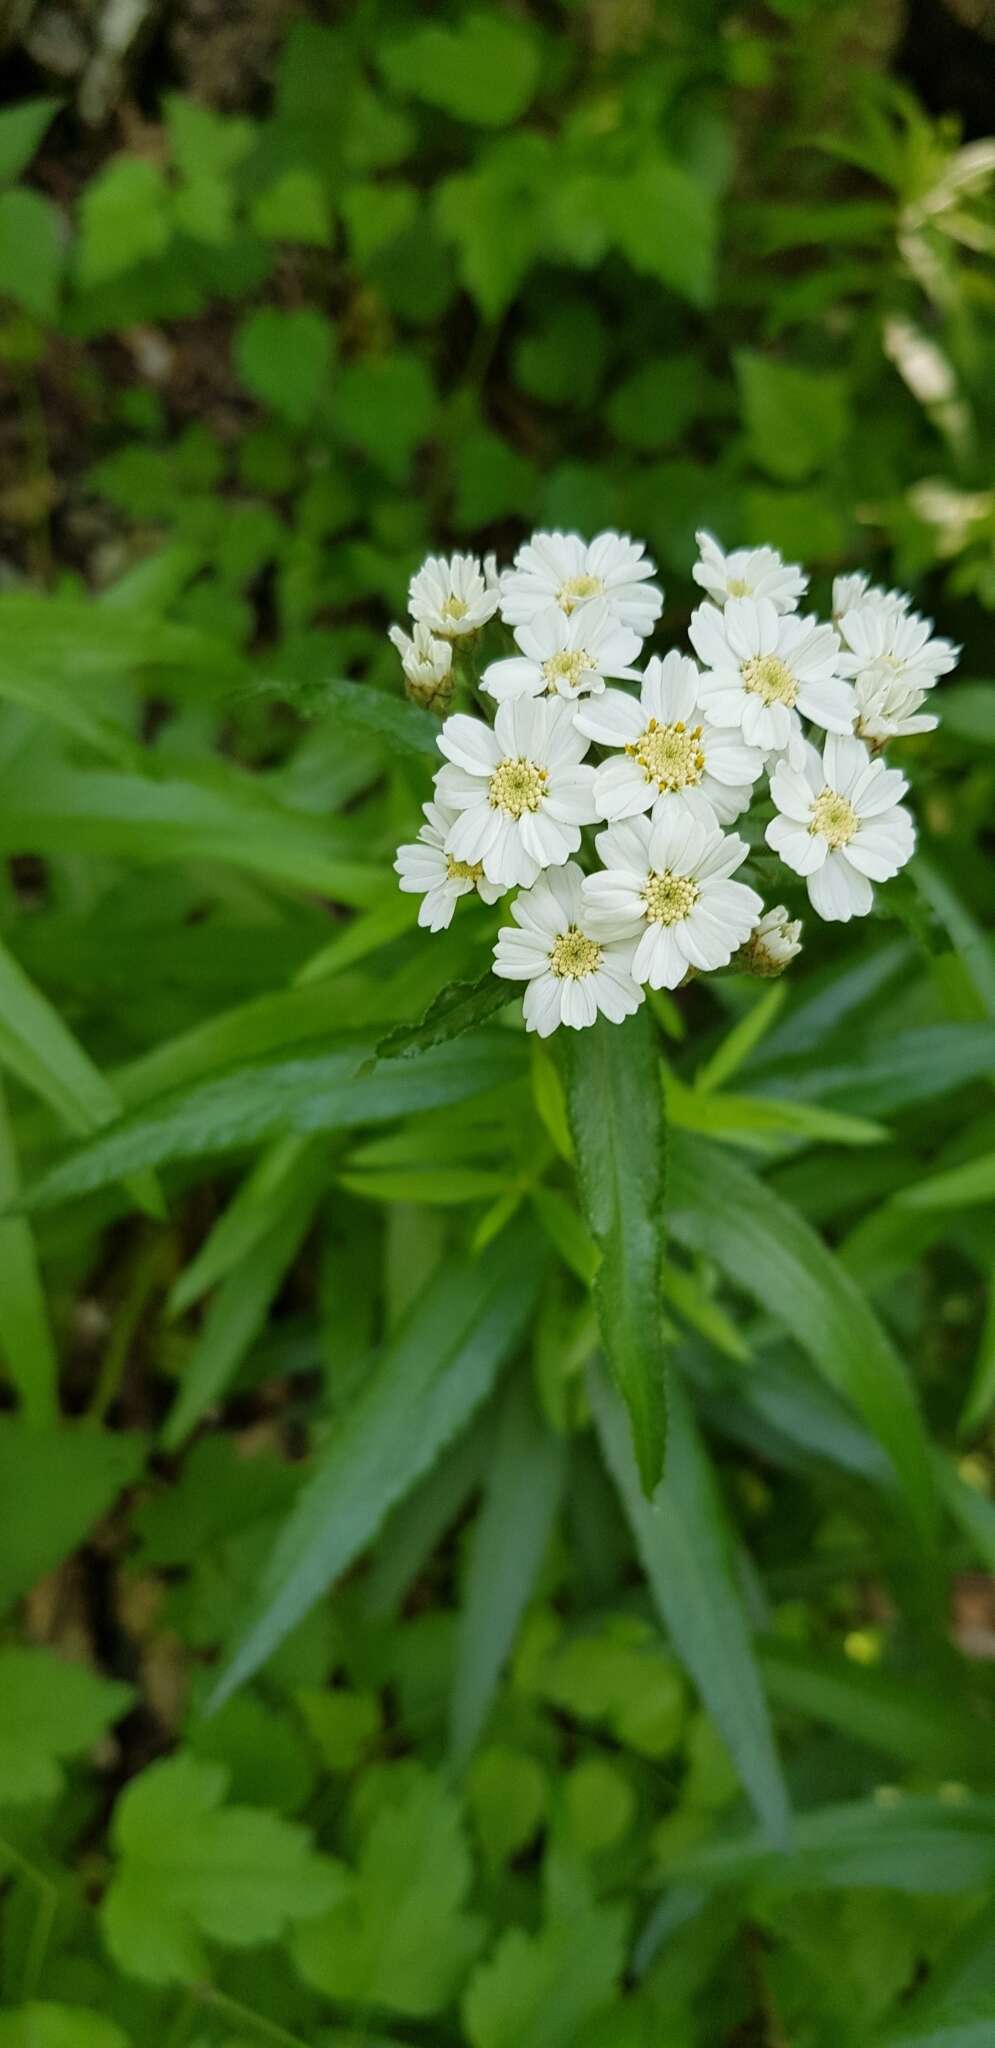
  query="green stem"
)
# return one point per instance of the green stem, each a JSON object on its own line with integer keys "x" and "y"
{"x": 233, "y": 2009}
{"x": 48, "y": 1900}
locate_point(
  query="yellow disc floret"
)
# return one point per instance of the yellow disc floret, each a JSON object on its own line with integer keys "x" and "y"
{"x": 669, "y": 897}
{"x": 669, "y": 755}
{"x": 833, "y": 819}
{"x": 517, "y": 786}
{"x": 574, "y": 955}
{"x": 768, "y": 677}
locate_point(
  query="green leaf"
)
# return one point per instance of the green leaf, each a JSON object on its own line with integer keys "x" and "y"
{"x": 399, "y": 1938}
{"x": 317, "y": 1092}
{"x": 895, "y": 1714}
{"x": 459, "y": 1007}
{"x": 914, "y": 1845}
{"x": 521, "y": 1495}
{"x": 742, "y": 1039}
{"x": 55, "y": 1484}
{"x": 484, "y": 69}
{"x": 495, "y": 214}
{"x": 796, "y": 419}
{"x": 385, "y": 405}
{"x": 719, "y": 1206}
{"x": 294, "y": 209}
{"x": 31, "y": 251}
{"x": 218, "y": 1494}
{"x": 439, "y": 1367}
{"x": 664, "y": 220}
{"x": 544, "y": 1988}
{"x": 968, "y": 2027}
{"x": 651, "y": 408}
{"x": 403, "y": 727}
{"x": 26, "y": 1342}
{"x": 342, "y": 1725}
{"x": 508, "y": 1793}
{"x": 616, "y": 1119}
{"x": 686, "y": 1552}
{"x": 966, "y": 935}
{"x": 285, "y": 360}
{"x": 189, "y": 1868}
{"x": 49, "y": 1710}
{"x": 961, "y": 1187}
{"x": 21, "y": 130}
{"x": 124, "y": 219}
{"x": 58, "y": 2026}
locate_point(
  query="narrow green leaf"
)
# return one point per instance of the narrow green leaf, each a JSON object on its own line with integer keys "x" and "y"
{"x": 522, "y": 1492}
{"x": 405, "y": 727}
{"x": 881, "y": 1076}
{"x": 916, "y": 1845}
{"x": 719, "y": 1206}
{"x": 615, "y": 1108}
{"x": 458, "y": 1008}
{"x": 981, "y": 1393}
{"x": 973, "y": 2026}
{"x": 250, "y": 1214}
{"x": 26, "y": 1342}
{"x": 895, "y": 1714}
{"x": 420, "y": 1522}
{"x": 763, "y": 1120}
{"x": 684, "y": 1545}
{"x": 965, "y": 934}
{"x": 743, "y": 1039}
{"x": 434, "y": 1373}
{"x": 962, "y": 1187}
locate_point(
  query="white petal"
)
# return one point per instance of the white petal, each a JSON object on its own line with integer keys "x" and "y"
{"x": 838, "y": 893}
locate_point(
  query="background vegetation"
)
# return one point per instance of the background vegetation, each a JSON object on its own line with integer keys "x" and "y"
{"x": 303, "y": 1414}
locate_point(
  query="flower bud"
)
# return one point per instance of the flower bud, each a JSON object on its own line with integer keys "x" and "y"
{"x": 428, "y": 668}
{"x": 772, "y": 945}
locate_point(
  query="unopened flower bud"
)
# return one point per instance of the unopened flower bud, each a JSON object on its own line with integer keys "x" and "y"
{"x": 772, "y": 945}
{"x": 428, "y": 667}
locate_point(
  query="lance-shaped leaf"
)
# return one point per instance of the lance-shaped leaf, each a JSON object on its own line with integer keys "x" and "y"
{"x": 615, "y": 1107}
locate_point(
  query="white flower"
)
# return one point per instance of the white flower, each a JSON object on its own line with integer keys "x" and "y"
{"x": 427, "y": 663}
{"x": 856, "y": 592}
{"x": 492, "y": 574}
{"x": 673, "y": 757}
{"x": 773, "y": 943}
{"x": 897, "y": 642}
{"x": 571, "y": 975}
{"x": 520, "y": 790}
{"x": 764, "y": 668}
{"x": 426, "y": 869}
{"x": 748, "y": 572}
{"x": 451, "y": 596}
{"x": 668, "y": 885}
{"x": 841, "y": 825}
{"x": 563, "y": 569}
{"x": 887, "y": 709}
{"x": 564, "y": 653}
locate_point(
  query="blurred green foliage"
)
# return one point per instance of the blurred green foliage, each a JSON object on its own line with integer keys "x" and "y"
{"x": 305, "y": 1407}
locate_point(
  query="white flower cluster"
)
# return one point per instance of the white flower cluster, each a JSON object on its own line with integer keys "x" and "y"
{"x": 680, "y": 755}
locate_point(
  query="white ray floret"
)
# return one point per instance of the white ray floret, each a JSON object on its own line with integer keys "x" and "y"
{"x": 764, "y": 668}
{"x": 427, "y": 870}
{"x": 520, "y": 790}
{"x": 748, "y": 572}
{"x": 571, "y": 975}
{"x": 451, "y": 597}
{"x": 562, "y": 569}
{"x": 773, "y": 943}
{"x": 672, "y": 756}
{"x": 565, "y": 654}
{"x": 887, "y": 709}
{"x": 668, "y": 886}
{"x": 855, "y": 592}
{"x": 896, "y": 643}
{"x": 841, "y": 824}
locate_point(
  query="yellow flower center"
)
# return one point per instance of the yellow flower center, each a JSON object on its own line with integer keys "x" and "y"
{"x": 455, "y": 608}
{"x": 767, "y": 676}
{"x": 834, "y": 818}
{"x": 573, "y": 955}
{"x": 517, "y": 786}
{"x": 463, "y": 870}
{"x": 577, "y": 589}
{"x": 669, "y": 755}
{"x": 669, "y": 897}
{"x": 567, "y": 667}
{"x": 737, "y": 587}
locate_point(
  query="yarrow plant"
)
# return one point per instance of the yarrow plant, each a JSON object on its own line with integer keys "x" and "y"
{"x": 777, "y": 727}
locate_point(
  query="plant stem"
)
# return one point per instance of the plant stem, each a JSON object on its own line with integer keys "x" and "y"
{"x": 233, "y": 2009}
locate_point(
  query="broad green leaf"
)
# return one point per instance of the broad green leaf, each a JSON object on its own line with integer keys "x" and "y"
{"x": 285, "y": 359}
{"x": 438, "y": 1368}
{"x": 544, "y": 1988}
{"x": 218, "y": 1494}
{"x": 54, "y": 1485}
{"x": 796, "y": 419}
{"x": 32, "y": 251}
{"x": 616, "y": 1121}
{"x": 49, "y": 1710}
{"x": 21, "y": 130}
{"x": 521, "y": 1495}
{"x": 261, "y": 1750}
{"x": 124, "y": 218}
{"x": 318, "y": 1092}
{"x": 507, "y": 1792}
{"x": 190, "y": 1869}
{"x": 970, "y": 2028}
{"x": 769, "y": 1250}
{"x": 399, "y": 1937}
{"x": 58, "y": 2026}
{"x": 969, "y": 711}
{"x": 893, "y": 1713}
{"x": 485, "y": 68}
{"x": 664, "y": 219}
{"x": 27, "y": 1347}
{"x": 458, "y": 1008}
{"x": 342, "y": 1725}
{"x": 685, "y": 1549}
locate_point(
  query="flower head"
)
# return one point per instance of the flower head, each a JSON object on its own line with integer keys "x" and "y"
{"x": 856, "y": 592}
{"x": 841, "y": 825}
{"x": 672, "y": 755}
{"x": 427, "y": 870}
{"x": 563, "y": 569}
{"x": 773, "y": 943}
{"x": 896, "y": 643}
{"x": 888, "y": 709}
{"x": 763, "y": 669}
{"x": 427, "y": 665}
{"x": 748, "y": 572}
{"x": 564, "y": 654}
{"x": 520, "y": 790}
{"x": 571, "y": 975}
{"x": 667, "y": 885}
{"x": 451, "y": 597}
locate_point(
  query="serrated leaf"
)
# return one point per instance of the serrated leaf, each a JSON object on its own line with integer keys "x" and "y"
{"x": 615, "y": 1108}
{"x": 543, "y": 1989}
{"x": 49, "y": 1711}
{"x": 188, "y": 1868}
{"x": 685, "y": 1548}
{"x": 54, "y": 1484}
{"x": 436, "y": 1371}
{"x": 484, "y": 68}
{"x": 457, "y": 1008}
{"x": 399, "y": 1938}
